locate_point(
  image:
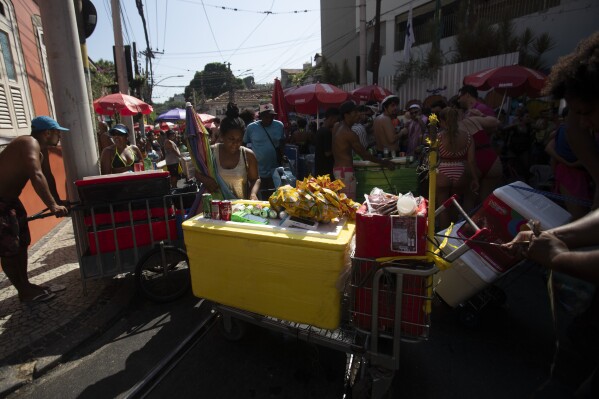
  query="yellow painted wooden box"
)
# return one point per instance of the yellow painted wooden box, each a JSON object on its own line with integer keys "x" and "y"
{"x": 284, "y": 273}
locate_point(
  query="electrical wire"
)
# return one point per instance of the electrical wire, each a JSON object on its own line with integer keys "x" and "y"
{"x": 165, "y": 19}
{"x": 211, "y": 31}
{"x": 122, "y": 17}
{"x": 156, "y": 9}
{"x": 269, "y": 12}
{"x": 252, "y": 32}
{"x": 124, "y": 9}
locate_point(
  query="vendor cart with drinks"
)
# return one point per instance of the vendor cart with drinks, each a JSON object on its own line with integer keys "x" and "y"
{"x": 322, "y": 279}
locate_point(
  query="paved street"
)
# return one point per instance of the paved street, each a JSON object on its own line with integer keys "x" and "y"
{"x": 508, "y": 356}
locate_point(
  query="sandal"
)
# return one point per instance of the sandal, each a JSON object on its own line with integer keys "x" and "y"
{"x": 43, "y": 297}
{"x": 54, "y": 288}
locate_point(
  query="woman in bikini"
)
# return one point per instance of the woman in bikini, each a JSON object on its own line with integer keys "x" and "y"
{"x": 456, "y": 153}
{"x": 488, "y": 163}
{"x": 119, "y": 157}
{"x": 236, "y": 165}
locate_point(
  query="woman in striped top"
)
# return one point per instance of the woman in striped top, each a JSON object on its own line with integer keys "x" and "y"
{"x": 456, "y": 152}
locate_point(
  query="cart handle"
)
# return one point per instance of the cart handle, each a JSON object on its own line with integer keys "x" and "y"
{"x": 44, "y": 213}
{"x": 453, "y": 201}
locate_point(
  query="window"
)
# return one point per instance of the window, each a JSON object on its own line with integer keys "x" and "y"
{"x": 15, "y": 103}
{"x": 9, "y": 64}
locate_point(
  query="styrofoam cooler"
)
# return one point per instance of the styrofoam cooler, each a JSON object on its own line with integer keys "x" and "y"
{"x": 468, "y": 275}
{"x": 504, "y": 213}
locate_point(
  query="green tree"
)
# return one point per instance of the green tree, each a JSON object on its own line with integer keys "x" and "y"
{"x": 212, "y": 81}
{"x": 103, "y": 78}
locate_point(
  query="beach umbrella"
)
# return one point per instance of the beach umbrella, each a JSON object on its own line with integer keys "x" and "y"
{"x": 312, "y": 98}
{"x": 370, "y": 93}
{"x": 198, "y": 144}
{"x": 206, "y": 118}
{"x": 123, "y": 104}
{"x": 512, "y": 80}
{"x": 278, "y": 102}
{"x": 175, "y": 114}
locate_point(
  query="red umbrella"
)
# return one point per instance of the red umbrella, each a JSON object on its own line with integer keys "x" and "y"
{"x": 370, "y": 93}
{"x": 119, "y": 103}
{"x": 513, "y": 80}
{"x": 278, "y": 102}
{"x": 309, "y": 99}
{"x": 206, "y": 118}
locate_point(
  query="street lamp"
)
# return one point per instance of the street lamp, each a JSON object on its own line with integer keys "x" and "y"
{"x": 154, "y": 84}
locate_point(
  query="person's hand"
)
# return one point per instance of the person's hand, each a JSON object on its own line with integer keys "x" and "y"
{"x": 59, "y": 211}
{"x": 254, "y": 197}
{"x": 519, "y": 245}
{"x": 388, "y": 164}
{"x": 545, "y": 247}
{"x": 475, "y": 112}
{"x": 210, "y": 184}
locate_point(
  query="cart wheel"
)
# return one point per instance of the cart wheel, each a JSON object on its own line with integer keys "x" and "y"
{"x": 468, "y": 316}
{"x": 236, "y": 329}
{"x": 162, "y": 274}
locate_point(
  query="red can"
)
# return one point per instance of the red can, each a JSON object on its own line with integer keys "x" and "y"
{"x": 215, "y": 209}
{"x": 225, "y": 209}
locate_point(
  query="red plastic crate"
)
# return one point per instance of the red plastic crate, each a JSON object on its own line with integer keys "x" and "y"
{"x": 380, "y": 236}
{"x": 124, "y": 236}
{"x": 120, "y": 217}
{"x": 414, "y": 315}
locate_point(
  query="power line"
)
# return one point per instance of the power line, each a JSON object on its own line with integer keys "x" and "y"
{"x": 165, "y": 19}
{"x": 156, "y": 9}
{"x": 122, "y": 16}
{"x": 268, "y": 12}
{"x": 211, "y": 31}
{"x": 252, "y": 32}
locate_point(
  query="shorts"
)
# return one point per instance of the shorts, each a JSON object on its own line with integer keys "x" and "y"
{"x": 173, "y": 170}
{"x": 14, "y": 229}
{"x": 346, "y": 175}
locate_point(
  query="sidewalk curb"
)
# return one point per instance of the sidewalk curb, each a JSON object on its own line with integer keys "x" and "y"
{"x": 22, "y": 372}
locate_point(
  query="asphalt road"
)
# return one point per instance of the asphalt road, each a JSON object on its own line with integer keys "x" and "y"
{"x": 507, "y": 356}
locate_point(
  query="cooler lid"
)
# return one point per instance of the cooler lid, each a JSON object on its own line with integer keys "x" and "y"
{"x": 121, "y": 177}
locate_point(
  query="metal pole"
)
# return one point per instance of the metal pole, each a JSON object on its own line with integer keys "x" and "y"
{"x": 70, "y": 91}
{"x": 120, "y": 61}
{"x": 362, "y": 79}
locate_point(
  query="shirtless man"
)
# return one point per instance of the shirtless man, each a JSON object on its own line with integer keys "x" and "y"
{"x": 384, "y": 132}
{"x": 24, "y": 159}
{"x": 344, "y": 141}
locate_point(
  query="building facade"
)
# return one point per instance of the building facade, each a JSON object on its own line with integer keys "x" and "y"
{"x": 567, "y": 21}
{"x": 25, "y": 92}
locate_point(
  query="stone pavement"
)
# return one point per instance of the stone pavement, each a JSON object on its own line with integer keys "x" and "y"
{"x": 35, "y": 337}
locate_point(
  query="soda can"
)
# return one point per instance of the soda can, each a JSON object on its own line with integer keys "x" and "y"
{"x": 206, "y": 205}
{"x": 225, "y": 208}
{"x": 215, "y": 209}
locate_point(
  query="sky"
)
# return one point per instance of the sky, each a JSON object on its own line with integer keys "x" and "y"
{"x": 188, "y": 34}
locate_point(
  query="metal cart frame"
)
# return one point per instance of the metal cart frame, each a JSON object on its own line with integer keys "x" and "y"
{"x": 129, "y": 214}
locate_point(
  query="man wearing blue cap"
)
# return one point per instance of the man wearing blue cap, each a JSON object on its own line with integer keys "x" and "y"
{"x": 25, "y": 159}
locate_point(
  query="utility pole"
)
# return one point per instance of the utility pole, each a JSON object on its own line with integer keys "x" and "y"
{"x": 230, "y": 80}
{"x": 376, "y": 51}
{"x": 120, "y": 61}
{"x": 362, "y": 78}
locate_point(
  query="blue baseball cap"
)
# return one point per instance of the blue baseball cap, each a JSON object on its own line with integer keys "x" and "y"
{"x": 41, "y": 123}
{"x": 119, "y": 130}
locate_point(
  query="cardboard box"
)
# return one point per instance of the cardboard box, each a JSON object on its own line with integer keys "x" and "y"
{"x": 380, "y": 236}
